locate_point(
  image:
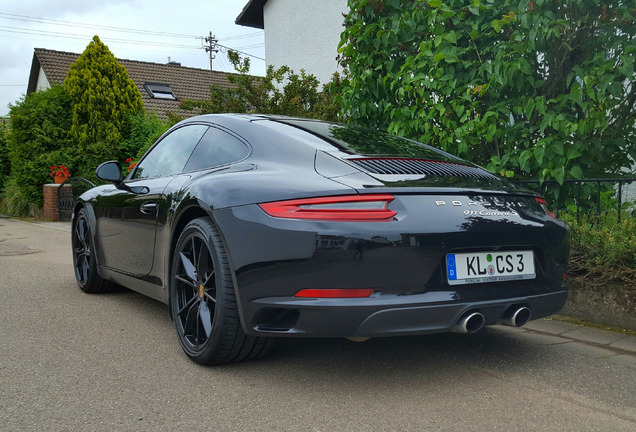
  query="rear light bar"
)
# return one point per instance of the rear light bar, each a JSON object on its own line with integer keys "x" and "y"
{"x": 348, "y": 208}
{"x": 544, "y": 204}
{"x": 335, "y": 293}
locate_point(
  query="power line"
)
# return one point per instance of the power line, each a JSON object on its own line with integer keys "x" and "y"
{"x": 240, "y": 52}
{"x": 21, "y": 30}
{"x": 91, "y": 26}
{"x": 251, "y": 46}
{"x": 27, "y": 18}
{"x": 245, "y": 36}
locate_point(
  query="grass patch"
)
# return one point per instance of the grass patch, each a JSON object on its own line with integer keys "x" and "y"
{"x": 602, "y": 249}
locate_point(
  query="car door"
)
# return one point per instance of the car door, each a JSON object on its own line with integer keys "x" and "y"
{"x": 127, "y": 217}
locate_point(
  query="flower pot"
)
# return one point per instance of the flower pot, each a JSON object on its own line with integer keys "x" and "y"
{"x": 59, "y": 179}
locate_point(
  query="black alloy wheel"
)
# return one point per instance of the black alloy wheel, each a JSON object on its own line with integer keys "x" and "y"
{"x": 84, "y": 262}
{"x": 203, "y": 301}
{"x": 196, "y": 291}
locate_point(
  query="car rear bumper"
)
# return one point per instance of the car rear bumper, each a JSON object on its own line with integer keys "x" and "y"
{"x": 382, "y": 315}
{"x": 403, "y": 262}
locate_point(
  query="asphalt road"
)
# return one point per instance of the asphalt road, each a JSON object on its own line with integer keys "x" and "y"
{"x": 73, "y": 362}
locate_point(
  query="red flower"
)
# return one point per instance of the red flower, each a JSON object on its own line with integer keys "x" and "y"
{"x": 129, "y": 160}
{"x": 53, "y": 168}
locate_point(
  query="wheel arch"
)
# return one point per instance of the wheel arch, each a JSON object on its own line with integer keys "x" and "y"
{"x": 194, "y": 210}
{"x": 92, "y": 221}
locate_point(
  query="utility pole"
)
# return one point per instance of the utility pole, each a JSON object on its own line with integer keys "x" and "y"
{"x": 211, "y": 47}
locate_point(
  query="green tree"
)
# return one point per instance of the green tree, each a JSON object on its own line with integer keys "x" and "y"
{"x": 102, "y": 95}
{"x": 531, "y": 88}
{"x": 280, "y": 92}
{"x": 4, "y": 152}
{"x": 38, "y": 139}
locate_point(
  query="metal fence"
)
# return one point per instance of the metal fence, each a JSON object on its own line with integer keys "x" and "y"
{"x": 618, "y": 184}
{"x": 67, "y": 194}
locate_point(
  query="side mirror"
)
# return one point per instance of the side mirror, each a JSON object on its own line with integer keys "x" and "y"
{"x": 110, "y": 171}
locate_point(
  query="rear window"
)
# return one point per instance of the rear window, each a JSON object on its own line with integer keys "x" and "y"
{"x": 356, "y": 140}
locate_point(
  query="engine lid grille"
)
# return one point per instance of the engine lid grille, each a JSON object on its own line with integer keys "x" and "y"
{"x": 407, "y": 166}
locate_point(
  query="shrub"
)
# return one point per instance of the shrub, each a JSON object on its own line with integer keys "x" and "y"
{"x": 38, "y": 140}
{"x": 602, "y": 249}
{"x": 4, "y": 153}
{"x": 102, "y": 97}
{"x": 533, "y": 89}
{"x": 145, "y": 129}
{"x": 280, "y": 92}
{"x": 15, "y": 203}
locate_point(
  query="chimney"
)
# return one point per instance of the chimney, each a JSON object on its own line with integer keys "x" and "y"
{"x": 173, "y": 63}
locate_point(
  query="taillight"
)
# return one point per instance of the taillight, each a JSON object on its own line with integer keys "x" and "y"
{"x": 335, "y": 293}
{"x": 544, "y": 205}
{"x": 349, "y": 208}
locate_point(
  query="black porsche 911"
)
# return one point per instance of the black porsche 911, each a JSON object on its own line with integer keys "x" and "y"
{"x": 254, "y": 227}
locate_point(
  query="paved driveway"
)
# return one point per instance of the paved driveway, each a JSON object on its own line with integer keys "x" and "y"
{"x": 71, "y": 362}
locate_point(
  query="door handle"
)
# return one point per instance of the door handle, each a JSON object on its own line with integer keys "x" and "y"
{"x": 148, "y": 208}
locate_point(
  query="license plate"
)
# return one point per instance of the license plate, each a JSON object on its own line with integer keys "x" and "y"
{"x": 482, "y": 267}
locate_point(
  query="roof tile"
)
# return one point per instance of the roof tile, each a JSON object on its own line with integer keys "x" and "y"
{"x": 186, "y": 82}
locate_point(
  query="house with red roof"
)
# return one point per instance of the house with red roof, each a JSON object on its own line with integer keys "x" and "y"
{"x": 162, "y": 86}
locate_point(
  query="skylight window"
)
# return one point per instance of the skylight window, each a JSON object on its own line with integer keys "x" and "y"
{"x": 160, "y": 91}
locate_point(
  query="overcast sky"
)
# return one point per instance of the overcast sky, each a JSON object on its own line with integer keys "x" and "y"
{"x": 69, "y": 25}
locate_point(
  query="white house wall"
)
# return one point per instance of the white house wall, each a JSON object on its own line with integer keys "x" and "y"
{"x": 304, "y": 34}
{"x": 43, "y": 82}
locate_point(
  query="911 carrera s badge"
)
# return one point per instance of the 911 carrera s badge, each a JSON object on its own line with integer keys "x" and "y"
{"x": 485, "y": 212}
{"x": 511, "y": 213}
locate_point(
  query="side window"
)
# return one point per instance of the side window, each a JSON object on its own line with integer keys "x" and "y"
{"x": 171, "y": 154}
{"x": 216, "y": 148}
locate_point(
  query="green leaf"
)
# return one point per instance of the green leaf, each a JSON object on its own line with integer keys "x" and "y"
{"x": 559, "y": 174}
{"x": 573, "y": 154}
{"x": 576, "y": 172}
{"x": 439, "y": 57}
{"x": 435, "y": 3}
{"x": 523, "y": 159}
{"x": 529, "y": 109}
{"x": 539, "y": 152}
{"x": 451, "y": 37}
{"x": 558, "y": 148}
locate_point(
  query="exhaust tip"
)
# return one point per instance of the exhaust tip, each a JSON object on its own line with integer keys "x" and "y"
{"x": 517, "y": 317}
{"x": 471, "y": 322}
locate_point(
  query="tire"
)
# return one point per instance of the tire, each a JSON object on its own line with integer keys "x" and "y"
{"x": 84, "y": 260}
{"x": 203, "y": 303}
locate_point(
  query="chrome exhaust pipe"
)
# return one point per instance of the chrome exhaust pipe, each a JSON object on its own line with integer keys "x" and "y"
{"x": 518, "y": 317}
{"x": 471, "y": 322}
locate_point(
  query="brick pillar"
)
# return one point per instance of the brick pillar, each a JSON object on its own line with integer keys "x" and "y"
{"x": 51, "y": 210}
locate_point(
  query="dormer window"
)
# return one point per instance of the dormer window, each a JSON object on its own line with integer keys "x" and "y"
{"x": 160, "y": 91}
